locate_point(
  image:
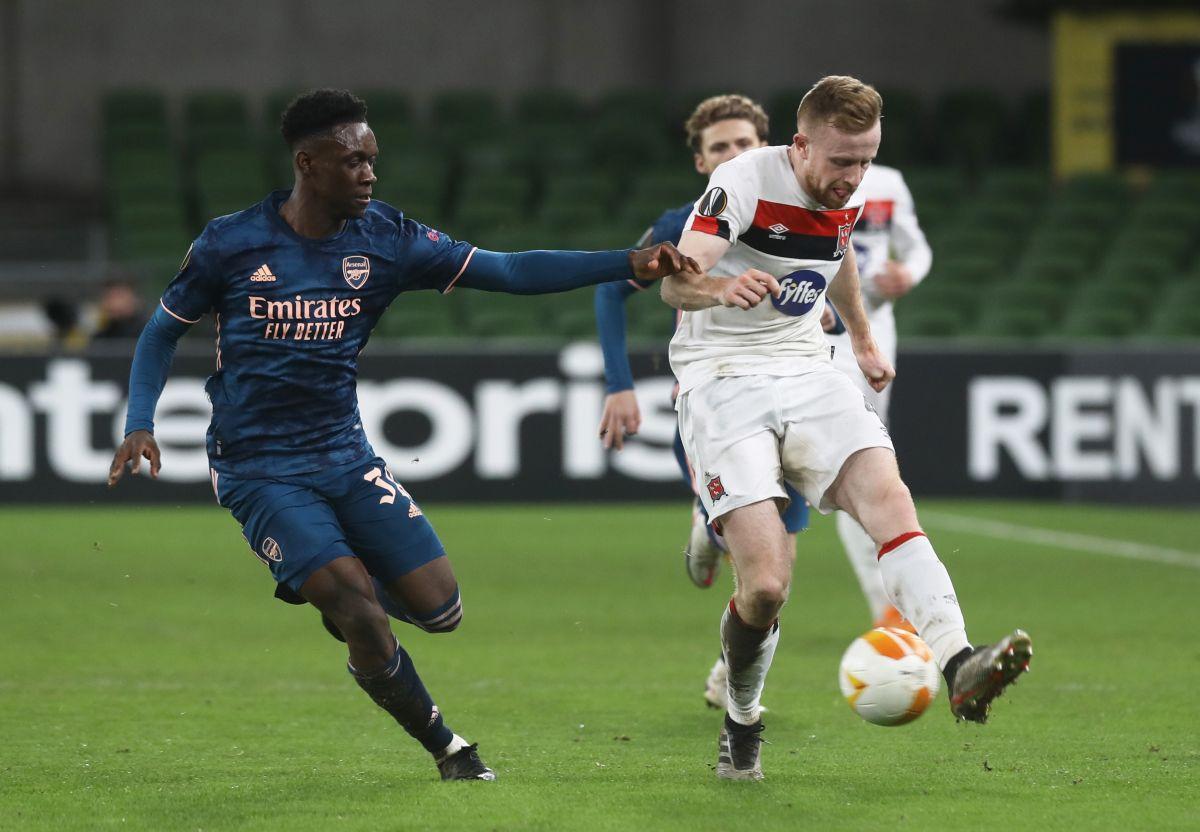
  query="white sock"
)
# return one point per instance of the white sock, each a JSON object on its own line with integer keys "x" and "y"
{"x": 920, "y": 588}
{"x": 456, "y": 745}
{"x": 863, "y": 555}
{"x": 747, "y": 675}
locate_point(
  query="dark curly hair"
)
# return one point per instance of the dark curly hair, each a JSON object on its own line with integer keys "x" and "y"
{"x": 318, "y": 111}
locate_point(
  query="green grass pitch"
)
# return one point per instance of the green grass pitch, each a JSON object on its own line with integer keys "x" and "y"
{"x": 149, "y": 681}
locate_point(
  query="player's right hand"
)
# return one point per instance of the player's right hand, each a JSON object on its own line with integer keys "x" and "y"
{"x": 621, "y": 418}
{"x": 749, "y": 288}
{"x": 138, "y": 444}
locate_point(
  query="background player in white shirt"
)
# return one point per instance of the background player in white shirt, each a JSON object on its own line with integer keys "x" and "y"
{"x": 892, "y": 257}
{"x": 760, "y": 402}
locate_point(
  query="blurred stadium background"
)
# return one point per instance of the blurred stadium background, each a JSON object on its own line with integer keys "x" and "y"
{"x": 1053, "y": 149}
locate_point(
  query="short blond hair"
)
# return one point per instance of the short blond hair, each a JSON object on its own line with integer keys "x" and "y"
{"x": 841, "y": 101}
{"x": 723, "y": 108}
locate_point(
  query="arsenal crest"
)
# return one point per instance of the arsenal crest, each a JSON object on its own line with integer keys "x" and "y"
{"x": 715, "y": 490}
{"x": 356, "y": 269}
{"x": 843, "y": 240}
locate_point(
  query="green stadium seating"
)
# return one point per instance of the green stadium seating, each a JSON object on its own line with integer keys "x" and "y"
{"x": 154, "y": 171}
{"x": 1096, "y": 188}
{"x": 274, "y": 103}
{"x": 571, "y": 215}
{"x": 1049, "y": 296}
{"x": 1059, "y": 269}
{"x": 997, "y": 246}
{"x": 935, "y": 189}
{"x": 972, "y": 124}
{"x": 513, "y": 190}
{"x": 151, "y": 244}
{"x": 387, "y": 106}
{"x": 1174, "y": 185}
{"x": 1006, "y": 216}
{"x": 636, "y": 106}
{"x": 134, "y": 135}
{"x": 1031, "y": 128}
{"x": 550, "y": 106}
{"x": 422, "y": 315}
{"x": 904, "y": 127}
{"x": 466, "y": 109}
{"x": 1066, "y": 214}
{"x": 1176, "y": 321}
{"x": 1164, "y": 244}
{"x": 1165, "y": 213}
{"x": 1080, "y": 243}
{"x": 1098, "y": 322}
{"x": 1014, "y": 319}
{"x": 1025, "y": 185}
{"x": 929, "y": 321}
{"x": 134, "y": 105}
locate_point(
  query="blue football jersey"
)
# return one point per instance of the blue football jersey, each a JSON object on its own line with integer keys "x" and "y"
{"x": 292, "y": 315}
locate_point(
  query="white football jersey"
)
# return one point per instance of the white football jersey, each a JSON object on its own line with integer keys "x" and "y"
{"x": 755, "y": 202}
{"x": 887, "y": 229}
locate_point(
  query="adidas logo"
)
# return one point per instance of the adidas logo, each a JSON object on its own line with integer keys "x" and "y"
{"x": 262, "y": 275}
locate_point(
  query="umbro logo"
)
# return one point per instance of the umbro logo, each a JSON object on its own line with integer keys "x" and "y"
{"x": 778, "y": 228}
{"x": 262, "y": 275}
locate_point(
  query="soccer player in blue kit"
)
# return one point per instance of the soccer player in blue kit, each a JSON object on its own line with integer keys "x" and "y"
{"x": 719, "y": 129}
{"x": 297, "y": 283}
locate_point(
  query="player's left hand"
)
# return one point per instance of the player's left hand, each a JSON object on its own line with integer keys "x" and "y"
{"x": 659, "y": 261}
{"x": 894, "y": 280}
{"x": 137, "y": 445}
{"x": 874, "y": 366}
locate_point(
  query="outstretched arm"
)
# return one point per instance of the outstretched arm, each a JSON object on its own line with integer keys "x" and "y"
{"x": 621, "y": 417}
{"x": 147, "y": 377}
{"x": 693, "y": 289}
{"x": 545, "y": 272}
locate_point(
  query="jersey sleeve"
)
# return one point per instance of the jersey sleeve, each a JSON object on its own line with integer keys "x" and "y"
{"x": 430, "y": 259}
{"x": 727, "y": 207}
{"x": 197, "y": 287}
{"x": 908, "y": 240}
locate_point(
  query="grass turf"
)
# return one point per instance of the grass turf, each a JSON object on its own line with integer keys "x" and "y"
{"x": 149, "y": 681}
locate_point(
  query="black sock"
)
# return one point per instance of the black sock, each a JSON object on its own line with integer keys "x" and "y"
{"x": 398, "y": 690}
{"x": 952, "y": 666}
{"x": 737, "y": 727}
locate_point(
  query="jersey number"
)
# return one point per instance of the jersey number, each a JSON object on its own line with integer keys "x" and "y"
{"x": 384, "y": 480}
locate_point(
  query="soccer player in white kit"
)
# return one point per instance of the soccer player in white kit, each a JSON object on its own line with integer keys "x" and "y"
{"x": 760, "y": 403}
{"x": 892, "y": 256}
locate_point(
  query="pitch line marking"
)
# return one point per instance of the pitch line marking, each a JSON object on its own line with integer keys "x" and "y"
{"x": 1072, "y": 541}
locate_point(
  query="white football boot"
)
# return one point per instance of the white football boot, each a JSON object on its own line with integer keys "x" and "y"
{"x": 702, "y": 556}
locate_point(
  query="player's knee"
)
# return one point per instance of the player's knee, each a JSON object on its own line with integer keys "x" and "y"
{"x": 446, "y": 618}
{"x": 361, "y": 620}
{"x": 764, "y": 600}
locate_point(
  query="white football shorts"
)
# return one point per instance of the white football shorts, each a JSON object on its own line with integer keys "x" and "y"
{"x": 745, "y": 435}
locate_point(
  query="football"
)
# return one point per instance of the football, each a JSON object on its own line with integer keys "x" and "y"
{"x": 889, "y": 676}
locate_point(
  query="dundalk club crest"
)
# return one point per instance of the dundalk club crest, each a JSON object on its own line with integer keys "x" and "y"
{"x": 356, "y": 269}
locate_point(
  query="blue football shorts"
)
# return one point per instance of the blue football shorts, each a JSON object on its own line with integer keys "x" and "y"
{"x": 298, "y": 524}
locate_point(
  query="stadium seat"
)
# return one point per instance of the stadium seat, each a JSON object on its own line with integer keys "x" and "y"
{"x": 1031, "y": 128}
{"x": 511, "y": 189}
{"x": 1096, "y": 188}
{"x": 1165, "y": 213}
{"x": 1013, "y": 320}
{"x": 1174, "y": 185}
{"x": 550, "y": 106}
{"x": 570, "y": 215}
{"x": 1098, "y": 322}
{"x": 1061, "y": 269}
{"x": 422, "y": 315}
{"x": 139, "y": 170}
{"x": 1097, "y": 216}
{"x": 1009, "y": 216}
{"x": 1028, "y": 185}
{"x": 457, "y": 110}
{"x": 998, "y": 247}
{"x": 273, "y": 105}
{"x": 928, "y": 321}
{"x": 1080, "y": 243}
{"x": 904, "y": 124}
{"x": 935, "y": 186}
{"x": 635, "y": 106}
{"x": 123, "y": 106}
{"x": 972, "y": 125}
{"x": 1176, "y": 321}
{"x": 1045, "y": 295}
{"x": 387, "y": 106}
{"x": 1162, "y": 244}
{"x": 215, "y": 108}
